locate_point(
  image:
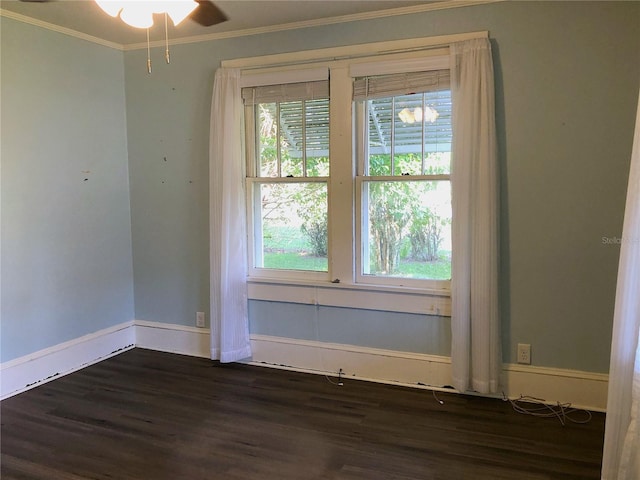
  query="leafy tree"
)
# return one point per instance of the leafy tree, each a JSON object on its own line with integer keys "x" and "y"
{"x": 312, "y": 201}
{"x": 389, "y": 215}
{"x": 308, "y": 200}
{"x": 425, "y": 235}
{"x": 397, "y": 212}
{"x": 401, "y": 225}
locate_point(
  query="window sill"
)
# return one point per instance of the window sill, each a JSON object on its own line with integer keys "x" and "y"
{"x": 368, "y": 297}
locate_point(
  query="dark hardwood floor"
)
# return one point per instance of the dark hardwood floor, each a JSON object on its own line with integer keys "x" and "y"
{"x": 151, "y": 415}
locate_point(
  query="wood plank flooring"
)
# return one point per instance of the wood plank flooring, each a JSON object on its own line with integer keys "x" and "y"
{"x": 151, "y": 415}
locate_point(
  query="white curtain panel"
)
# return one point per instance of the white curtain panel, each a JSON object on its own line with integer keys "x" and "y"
{"x": 228, "y": 238}
{"x": 621, "y": 456}
{"x": 475, "y": 324}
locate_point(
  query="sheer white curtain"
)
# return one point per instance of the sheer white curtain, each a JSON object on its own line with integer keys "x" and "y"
{"x": 621, "y": 456}
{"x": 228, "y": 238}
{"x": 475, "y": 349}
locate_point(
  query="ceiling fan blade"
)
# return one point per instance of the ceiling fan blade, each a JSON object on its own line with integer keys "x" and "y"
{"x": 207, "y": 14}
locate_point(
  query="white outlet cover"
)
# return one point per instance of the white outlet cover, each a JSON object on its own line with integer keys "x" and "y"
{"x": 524, "y": 353}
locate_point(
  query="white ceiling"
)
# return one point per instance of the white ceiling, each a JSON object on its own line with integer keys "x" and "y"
{"x": 245, "y": 16}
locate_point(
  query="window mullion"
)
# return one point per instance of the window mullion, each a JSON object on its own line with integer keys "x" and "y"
{"x": 304, "y": 138}
{"x": 423, "y": 123}
{"x": 341, "y": 182}
{"x": 393, "y": 135}
{"x": 409, "y": 178}
{"x": 278, "y": 140}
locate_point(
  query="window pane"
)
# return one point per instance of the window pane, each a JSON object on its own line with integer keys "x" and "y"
{"x": 317, "y": 166}
{"x": 409, "y": 134}
{"x": 267, "y": 131}
{"x": 437, "y": 125}
{"x": 379, "y": 141}
{"x": 317, "y": 137}
{"x": 380, "y": 165}
{"x": 407, "y": 137}
{"x": 291, "y": 226}
{"x": 294, "y": 138}
{"x": 291, "y": 138}
{"x": 407, "y": 229}
{"x": 437, "y": 163}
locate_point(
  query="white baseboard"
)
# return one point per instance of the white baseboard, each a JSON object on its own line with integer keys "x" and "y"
{"x": 581, "y": 389}
{"x": 363, "y": 363}
{"x": 45, "y": 365}
{"x": 166, "y": 337}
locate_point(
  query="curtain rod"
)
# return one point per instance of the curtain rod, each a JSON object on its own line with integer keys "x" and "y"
{"x": 350, "y": 51}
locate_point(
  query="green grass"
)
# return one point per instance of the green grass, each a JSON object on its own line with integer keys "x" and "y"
{"x": 437, "y": 270}
{"x": 278, "y": 238}
{"x": 294, "y": 261}
{"x": 286, "y": 248}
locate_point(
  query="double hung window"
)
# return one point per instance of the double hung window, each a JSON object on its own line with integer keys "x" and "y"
{"x": 390, "y": 145}
{"x": 287, "y": 171}
{"x": 403, "y": 130}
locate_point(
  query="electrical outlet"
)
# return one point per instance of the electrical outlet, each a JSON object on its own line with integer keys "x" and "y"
{"x": 200, "y": 319}
{"x": 524, "y": 353}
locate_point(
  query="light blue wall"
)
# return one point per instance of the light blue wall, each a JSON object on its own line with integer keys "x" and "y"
{"x": 168, "y": 130}
{"x": 365, "y": 328}
{"x": 567, "y": 77}
{"x": 66, "y": 236}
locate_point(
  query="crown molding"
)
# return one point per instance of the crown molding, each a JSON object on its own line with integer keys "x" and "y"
{"x": 438, "y": 45}
{"x": 392, "y": 12}
{"x": 354, "y": 17}
{"x": 59, "y": 29}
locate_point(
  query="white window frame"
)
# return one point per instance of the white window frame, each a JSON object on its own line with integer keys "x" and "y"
{"x": 340, "y": 288}
{"x": 434, "y": 63}
{"x": 252, "y": 229}
{"x": 361, "y": 220}
{"x": 254, "y": 180}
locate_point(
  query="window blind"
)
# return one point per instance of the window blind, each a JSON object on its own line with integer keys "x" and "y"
{"x": 400, "y": 84}
{"x": 288, "y": 92}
